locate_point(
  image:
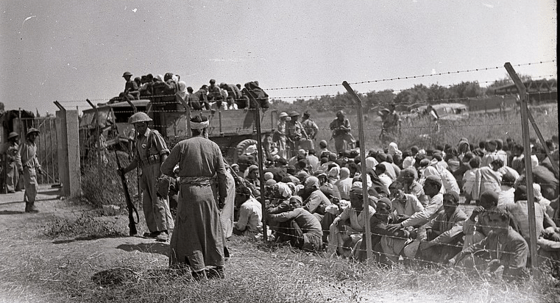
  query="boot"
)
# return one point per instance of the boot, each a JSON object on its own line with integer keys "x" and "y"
{"x": 216, "y": 273}
{"x": 30, "y": 207}
{"x": 199, "y": 275}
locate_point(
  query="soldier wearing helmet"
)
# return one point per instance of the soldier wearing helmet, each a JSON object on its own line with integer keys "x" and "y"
{"x": 150, "y": 150}
{"x": 341, "y": 132}
{"x": 130, "y": 88}
{"x": 30, "y": 165}
{"x": 310, "y": 127}
{"x": 295, "y": 133}
{"x": 13, "y": 161}
{"x": 280, "y": 134}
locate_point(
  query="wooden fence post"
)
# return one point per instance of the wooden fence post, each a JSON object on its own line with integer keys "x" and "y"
{"x": 363, "y": 167}
{"x": 528, "y": 169}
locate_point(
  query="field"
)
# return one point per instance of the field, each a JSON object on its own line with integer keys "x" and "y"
{"x": 479, "y": 127}
{"x": 53, "y": 256}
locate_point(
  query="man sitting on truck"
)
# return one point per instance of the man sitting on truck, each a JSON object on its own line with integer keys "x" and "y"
{"x": 130, "y": 90}
{"x": 199, "y": 99}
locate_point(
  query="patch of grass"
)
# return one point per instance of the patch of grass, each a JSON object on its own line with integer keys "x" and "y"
{"x": 88, "y": 225}
{"x": 102, "y": 185}
{"x": 479, "y": 127}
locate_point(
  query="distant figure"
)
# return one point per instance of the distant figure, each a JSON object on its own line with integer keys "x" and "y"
{"x": 200, "y": 99}
{"x": 341, "y": 132}
{"x": 391, "y": 124}
{"x": 130, "y": 90}
{"x": 233, "y": 94}
{"x": 13, "y": 161}
{"x": 31, "y": 165}
{"x": 214, "y": 92}
{"x": 310, "y": 127}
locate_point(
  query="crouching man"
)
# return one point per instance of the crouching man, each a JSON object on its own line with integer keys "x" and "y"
{"x": 305, "y": 229}
{"x": 503, "y": 248}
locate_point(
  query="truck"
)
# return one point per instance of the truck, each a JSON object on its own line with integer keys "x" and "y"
{"x": 233, "y": 130}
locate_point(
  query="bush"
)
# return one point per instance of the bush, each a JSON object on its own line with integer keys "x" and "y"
{"x": 101, "y": 185}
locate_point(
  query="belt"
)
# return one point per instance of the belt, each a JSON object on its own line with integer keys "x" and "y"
{"x": 151, "y": 159}
{"x": 197, "y": 181}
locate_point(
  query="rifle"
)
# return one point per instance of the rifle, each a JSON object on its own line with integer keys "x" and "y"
{"x": 129, "y": 205}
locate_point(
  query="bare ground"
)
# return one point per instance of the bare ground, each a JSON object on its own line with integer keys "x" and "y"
{"x": 36, "y": 268}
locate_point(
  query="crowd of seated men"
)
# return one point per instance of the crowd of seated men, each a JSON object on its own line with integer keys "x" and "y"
{"x": 315, "y": 202}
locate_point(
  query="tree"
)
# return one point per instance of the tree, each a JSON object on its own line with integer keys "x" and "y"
{"x": 491, "y": 89}
{"x": 466, "y": 90}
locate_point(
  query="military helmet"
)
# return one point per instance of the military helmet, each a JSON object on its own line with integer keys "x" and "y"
{"x": 139, "y": 117}
{"x": 13, "y": 135}
{"x": 340, "y": 113}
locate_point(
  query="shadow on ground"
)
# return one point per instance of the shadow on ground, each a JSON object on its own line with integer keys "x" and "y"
{"x": 154, "y": 248}
{"x": 11, "y": 212}
{"x": 85, "y": 238}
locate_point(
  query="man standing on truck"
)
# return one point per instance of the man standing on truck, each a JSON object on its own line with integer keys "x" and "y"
{"x": 30, "y": 163}
{"x": 13, "y": 161}
{"x": 149, "y": 152}
{"x": 198, "y": 241}
{"x": 341, "y": 132}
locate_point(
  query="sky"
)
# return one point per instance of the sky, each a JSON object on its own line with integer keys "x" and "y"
{"x": 73, "y": 50}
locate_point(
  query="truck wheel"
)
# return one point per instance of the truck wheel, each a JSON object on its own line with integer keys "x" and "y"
{"x": 242, "y": 146}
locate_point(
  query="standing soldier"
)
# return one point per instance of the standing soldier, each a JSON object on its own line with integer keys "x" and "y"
{"x": 309, "y": 126}
{"x": 13, "y": 162}
{"x": 341, "y": 132}
{"x": 295, "y": 132}
{"x": 391, "y": 124}
{"x": 198, "y": 241}
{"x": 280, "y": 134}
{"x": 31, "y": 166}
{"x": 149, "y": 152}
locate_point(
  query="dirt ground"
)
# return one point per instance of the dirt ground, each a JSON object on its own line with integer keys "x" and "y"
{"x": 23, "y": 242}
{"x": 30, "y": 262}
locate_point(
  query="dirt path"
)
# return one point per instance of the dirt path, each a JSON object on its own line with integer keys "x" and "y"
{"x": 27, "y": 255}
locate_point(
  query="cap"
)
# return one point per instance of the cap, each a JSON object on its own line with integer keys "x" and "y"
{"x": 489, "y": 196}
{"x": 127, "y": 74}
{"x": 13, "y": 135}
{"x": 434, "y": 178}
{"x": 293, "y": 113}
{"x": 31, "y": 131}
{"x": 282, "y": 115}
{"x": 252, "y": 168}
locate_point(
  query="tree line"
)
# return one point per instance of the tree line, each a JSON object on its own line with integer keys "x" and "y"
{"x": 405, "y": 100}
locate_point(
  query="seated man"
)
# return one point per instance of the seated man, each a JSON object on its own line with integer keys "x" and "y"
{"x": 477, "y": 227}
{"x": 250, "y": 214}
{"x": 404, "y": 206}
{"x": 444, "y": 233}
{"x": 378, "y": 224}
{"x": 305, "y": 230}
{"x": 503, "y": 247}
{"x": 547, "y": 233}
{"x": 346, "y": 229}
{"x": 316, "y": 201}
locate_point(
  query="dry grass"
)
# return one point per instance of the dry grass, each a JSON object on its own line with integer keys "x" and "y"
{"x": 478, "y": 127}
{"x": 257, "y": 272}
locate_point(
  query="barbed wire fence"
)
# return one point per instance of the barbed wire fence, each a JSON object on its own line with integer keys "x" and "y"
{"x": 419, "y": 131}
